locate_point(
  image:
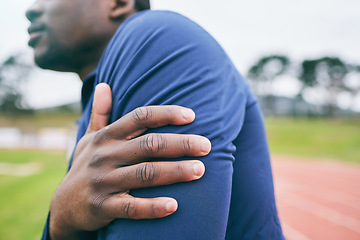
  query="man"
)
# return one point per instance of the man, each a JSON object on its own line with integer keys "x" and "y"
{"x": 154, "y": 58}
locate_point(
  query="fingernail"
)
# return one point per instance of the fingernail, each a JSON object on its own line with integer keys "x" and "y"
{"x": 171, "y": 206}
{"x": 205, "y": 145}
{"x": 188, "y": 114}
{"x": 199, "y": 169}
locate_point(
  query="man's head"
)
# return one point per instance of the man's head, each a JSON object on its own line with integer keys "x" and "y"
{"x": 70, "y": 35}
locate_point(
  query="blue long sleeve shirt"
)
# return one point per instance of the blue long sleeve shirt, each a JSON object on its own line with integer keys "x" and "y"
{"x": 163, "y": 58}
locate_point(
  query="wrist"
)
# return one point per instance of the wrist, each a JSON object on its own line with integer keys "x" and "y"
{"x": 59, "y": 231}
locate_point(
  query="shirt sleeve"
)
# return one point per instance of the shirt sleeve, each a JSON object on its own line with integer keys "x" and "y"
{"x": 253, "y": 213}
{"x": 46, "y": 233}
{"x": 162, "y": 58}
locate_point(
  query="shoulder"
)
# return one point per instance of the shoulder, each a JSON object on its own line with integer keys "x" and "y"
{"x": 151, "y": 37}
{"x": 160, "y": 29}
{"x": 163, "y": 50}
{"x": 151, "y": 19}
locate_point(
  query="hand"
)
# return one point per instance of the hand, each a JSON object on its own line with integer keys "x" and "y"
{"x": 110, "y": 160}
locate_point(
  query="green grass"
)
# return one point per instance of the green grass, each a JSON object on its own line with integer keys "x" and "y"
{"x": 315, "y": 138}
{"x": 24, "y": 201}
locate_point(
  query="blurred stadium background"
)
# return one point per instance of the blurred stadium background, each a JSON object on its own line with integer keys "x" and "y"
{"x": 300, "y": 58}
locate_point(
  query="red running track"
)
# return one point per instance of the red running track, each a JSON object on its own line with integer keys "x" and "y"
{"x": 317, "y": 200}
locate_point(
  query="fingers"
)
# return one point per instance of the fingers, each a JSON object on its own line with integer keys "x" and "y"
{"x": 171, "y": 145}
{"x": 123, "y": 205}
{"x": 136, "y": 122}
{"x": 160, "y": 146}
{"x": 101, "y": 108}
{"x": 119, "y": 206}
{"x": 150, "y": 146}
{"x": 153, "y": 174}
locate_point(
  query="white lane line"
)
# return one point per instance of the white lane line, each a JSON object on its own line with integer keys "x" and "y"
{"x": 343, "y": 198}
{"x": 20, "y": 170}
{"x": 285, "y": 186}
{"x": 326, "y": 213}
{"x": 292, "y": 234}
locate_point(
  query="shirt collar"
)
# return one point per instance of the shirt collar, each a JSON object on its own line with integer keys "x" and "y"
{"x": 87, "y": 89}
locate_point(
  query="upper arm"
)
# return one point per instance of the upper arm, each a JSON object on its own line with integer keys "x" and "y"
{"x": 182, "y": 66}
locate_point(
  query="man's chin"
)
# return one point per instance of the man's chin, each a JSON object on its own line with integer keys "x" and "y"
{"x": 41, "y": 58}
{"x": 44, "y": 64}
{"x": 48, "y": 62}
{"x": 54, "y": 58}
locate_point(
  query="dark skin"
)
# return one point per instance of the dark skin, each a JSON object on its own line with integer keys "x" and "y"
{"x": 110, "y": 160}
{"x": 71, "y": 35}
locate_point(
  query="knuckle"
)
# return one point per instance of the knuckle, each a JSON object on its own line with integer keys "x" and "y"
{"x": 187, "y": 143}
{"x": 96, "y": 203}
{"x": 153, "y": 143}
{"x": 152, "y": 209}
{"x": 147, "y": 173}
{"x": 128, "y": 209}
{"x": 100, "y": 136}
{"x": 141, "y": 115}
{"x": 97, "y": 159}
{"x": 83, "y": 142}
{"x": 85, "y": 139}
{"x": 179, "y": 171}
{"x": 98, "y": 181}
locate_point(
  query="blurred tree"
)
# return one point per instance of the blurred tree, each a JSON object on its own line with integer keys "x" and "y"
{"x": 352, "y": 80}
{"x": 326, "y": 75}
{"x": 262, "y": 75}
{"x": 328, "y": 79}
{"x": 14, "y": 73}
{"x": 265, "y": 70}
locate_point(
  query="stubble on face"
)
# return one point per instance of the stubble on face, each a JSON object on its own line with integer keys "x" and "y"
{"x": 67, "y": 34}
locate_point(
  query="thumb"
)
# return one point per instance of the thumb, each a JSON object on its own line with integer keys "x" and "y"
{"x": 101, "y": 108}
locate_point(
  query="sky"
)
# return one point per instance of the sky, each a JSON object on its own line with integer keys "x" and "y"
{"x": 246, "y": 29}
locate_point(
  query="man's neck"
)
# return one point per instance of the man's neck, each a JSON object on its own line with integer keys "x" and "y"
{"x": 83, "y": 73}
{"x": 91, "y": 66}
{"x": 92, "y": 60}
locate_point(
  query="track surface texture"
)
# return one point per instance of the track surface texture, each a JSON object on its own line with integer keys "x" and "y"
{"x": 317, "y": 199}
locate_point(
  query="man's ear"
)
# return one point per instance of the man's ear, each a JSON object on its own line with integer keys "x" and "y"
{"x": 120, "y": 9}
